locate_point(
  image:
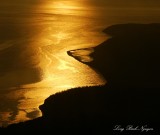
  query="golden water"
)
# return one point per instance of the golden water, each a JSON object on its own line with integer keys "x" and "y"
{"x": 34, "y": 39}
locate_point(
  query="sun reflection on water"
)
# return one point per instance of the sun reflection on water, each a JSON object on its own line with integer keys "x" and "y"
{"x": 65, "y": 7}
{"x": 59, "y": 71}
{"x": 60, "y": 36}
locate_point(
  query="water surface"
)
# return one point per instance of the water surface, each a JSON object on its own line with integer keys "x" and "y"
{"x": 35, "y": 37}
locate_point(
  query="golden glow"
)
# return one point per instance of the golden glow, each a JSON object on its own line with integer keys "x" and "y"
{"x": 41, "y": 34}
{"x": 59, "y": 71}
{"x": 60, "y": 36}
{"x": 67, "y": 7}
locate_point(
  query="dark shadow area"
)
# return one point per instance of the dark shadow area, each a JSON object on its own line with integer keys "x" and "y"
{"x": 130, "y": 58}
{"x": 130, "y": 63}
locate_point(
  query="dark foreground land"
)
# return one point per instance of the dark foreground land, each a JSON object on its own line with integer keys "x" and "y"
{"x": 130, "y": 61}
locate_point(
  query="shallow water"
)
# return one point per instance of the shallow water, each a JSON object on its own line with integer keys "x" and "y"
{"x": 34, "y": 39}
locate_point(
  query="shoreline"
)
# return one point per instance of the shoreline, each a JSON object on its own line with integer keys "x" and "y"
{"x": 127, "y": 98}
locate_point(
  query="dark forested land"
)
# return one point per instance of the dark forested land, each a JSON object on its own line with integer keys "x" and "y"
{"x": 130, "y": 62}
{"x": 131, "y": 57}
